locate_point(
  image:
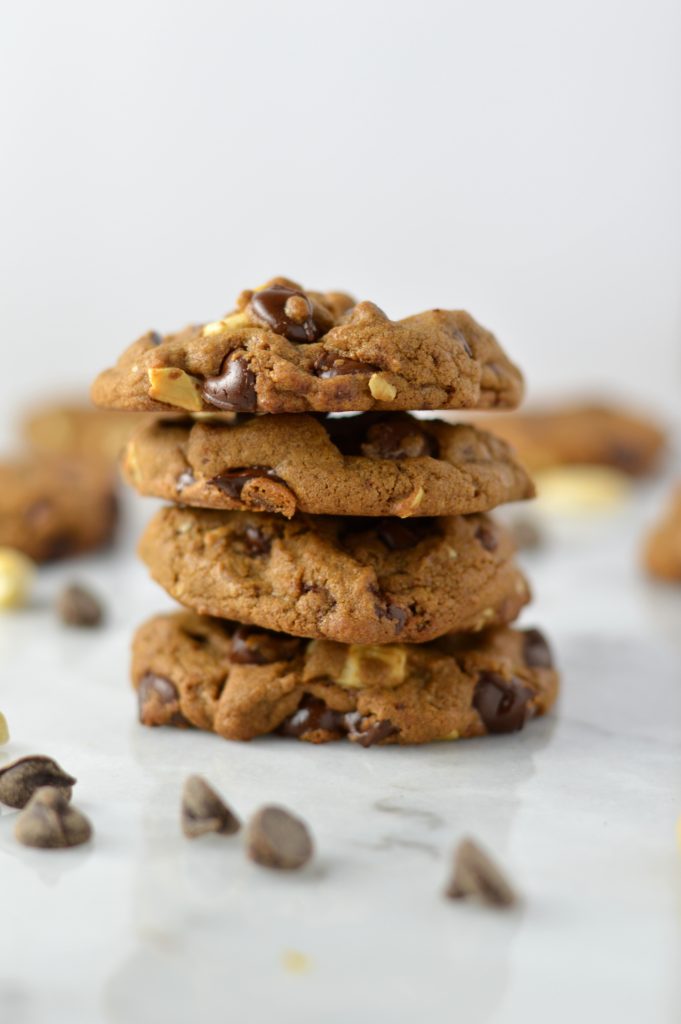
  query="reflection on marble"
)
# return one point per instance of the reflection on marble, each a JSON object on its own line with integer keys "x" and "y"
{"x": 144, "y": 925}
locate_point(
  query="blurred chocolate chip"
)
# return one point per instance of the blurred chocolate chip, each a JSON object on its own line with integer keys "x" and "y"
{"x": 77, "y": 606}
{"x": 256, "y": 542}
{"x": 49, "y": 822}
{"x": 476, "y": 876}
{"x": 233, "y": 388}
{"x": 203, "y": 810}
{"x": 487, "y": 537}
{"x": 287, "y": 311}
{"x": 20, "y": 779}
{"x": 232, "y": 481}
{"x": 313, "y": 715}
{"x": 330, "y": 364}
{"x": 398, "y": 536}
{"x": 155, "y": 338}
{"x": 374, "y": 734}
{"x": 185, "y": 479}
{"x": 502, "y": 704}
{"x": 258, "y": 647}
{"x": 536, "y": 651}
{"x": 60, "y": 545}
{"x": 526, "y": 534}
{"x": 277, "y": 839}
{"x": 397, "y": 439}
{"x": 628, "y": 459}
{"x": 159, "y": 701}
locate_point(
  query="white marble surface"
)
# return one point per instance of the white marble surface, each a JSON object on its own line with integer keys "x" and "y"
{"x": 144, "y": 926}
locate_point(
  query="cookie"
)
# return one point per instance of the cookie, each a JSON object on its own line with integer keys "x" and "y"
{"x": 283, "y": 350}
{"x": 581, "y": 434}
{"x": 53, "y": 507}
{"x": 368, "y": 581}
{"x": 190, "y": 670}
{"x": 371, "y": 464}
{"x": 662, "y": 550}
{"x": 80, "y": 430}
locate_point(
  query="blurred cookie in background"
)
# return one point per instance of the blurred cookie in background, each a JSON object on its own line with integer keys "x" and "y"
{"x": 581, "y": 434}
{"x": 79, "y": 429}
{"x": 662, "y": 547}
{"x": 53, "y": 506}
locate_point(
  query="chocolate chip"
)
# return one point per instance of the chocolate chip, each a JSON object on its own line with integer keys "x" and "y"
{"x": 628, "y": 459}
{"x": 476, "y": 876}
{"x": 526, "y": 534}
{"x": 77, "y": 606}
{"x": 203, "y": 810}
{"x": 277, "y": 839}
{"x": 20, "y": 779}
{"x": 159, "y": 701}
{"x": 330, "y": 364}
{"x": 502, "y": 704}
{"x": 397, "y": 615}
{"x": 49, "y": 822}
{"x": 536, "y": 651}
{"x": 232, "y": 481}
{"x": 487, "y": 537}
{"x": 233, "y": 388}
{"x": 258, "y": 647}
{"x": 287, "y": 311}
{"x": 185, "y": 479}
{"x": 256, "y": 542}
{"x": 397, "y": 535}
{"x": 155, "y": 338}
{"x": 313, "y": 715}
{"x": 397, "y": 439}
{"x": 375, "y": 733}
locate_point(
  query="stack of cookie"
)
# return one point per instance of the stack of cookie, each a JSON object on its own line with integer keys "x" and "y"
{"x": 342, "y": 576}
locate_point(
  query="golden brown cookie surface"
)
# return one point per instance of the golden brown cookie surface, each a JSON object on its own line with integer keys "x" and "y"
{"x": 286, "y": 350}
{"x": 662, "y": 551}
{"x": 190, "y": 670}
{"x": 345, "y": 579}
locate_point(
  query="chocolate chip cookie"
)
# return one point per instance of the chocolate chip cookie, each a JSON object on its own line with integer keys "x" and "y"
{"x": 354, "y": 580}
{"x": 662, "y": 551}
{"x": 80, "y": 430}
{"x": 581, "y": 434}
{"x": 53, "y": 507}
{"x": 190, "y": 670}
{"x": 372, "y": 464}
{"x": 285, "y": 350}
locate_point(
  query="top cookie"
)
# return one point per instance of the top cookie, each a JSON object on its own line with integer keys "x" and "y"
{"x": 285, "y": 350}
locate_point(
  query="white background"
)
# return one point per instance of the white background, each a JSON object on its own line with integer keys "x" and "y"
{"x": 519, "y": 159}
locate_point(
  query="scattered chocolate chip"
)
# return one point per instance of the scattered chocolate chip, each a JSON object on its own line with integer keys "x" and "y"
{"x": 287, "y": 312}
{"x": 526, "y": 534}
{"x": 203, "y": 810}
{"x": 374, "y": 734}
{"x": 232, "y": 481}
{"x": 330, "y": 364}
{"x": 397, "y": 439}
{"x": 277, "y": 839}
{"x": 77, "y": 606}
{"x": 159, "y": 702}
{"x": 487, "y": 537}
{"x": 313, "y": 715}
{"x": 536, "y": 651}
{"x": 502, "y": 704}
{"x": 233, "y": 388}
{"x": 258, "y": 647}
{"x": 256, "y": 542}
{"x": 23, "y": 777}
{"x": 185, "y": 479}
{"x": 476, "y": 876}
{"x": 48, "y": 821}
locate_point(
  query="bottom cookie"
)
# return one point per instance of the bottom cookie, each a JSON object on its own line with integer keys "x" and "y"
{"x": 241, "y": 682}
{"x": 662, "y": 550}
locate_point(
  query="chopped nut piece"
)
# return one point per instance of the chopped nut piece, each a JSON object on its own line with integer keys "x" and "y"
{"x": 203, "y": 810}
{"x": 277, "y": 839}
{"x": 374, "y": 664}
{"x": 49, "y": 822}
{"x": 20, "y": 779}
{"x": 76, "y": 606}
{"x": 228, "y": 323}
{"x": 174, "y": 387}
{"x": 476, "y": 876}
{"x": 4, "y": 729}
{"x": 408, "y": 505}
{"x": 16, "y": 575}
{"x": 381, "y": 389}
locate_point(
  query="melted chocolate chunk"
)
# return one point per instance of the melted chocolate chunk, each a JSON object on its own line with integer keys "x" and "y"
{"x": 501, "y": 704}
{"x": 487, "y": 537}
{"x": 232, "y": 481}
{"x": 536, "y": 651}
{"x": 286, "y": 311}
{"x": 233, "y": 388}
{"x": 157, "y": 696}
{"x": 375, "y": 733}
{"x": 331, "y": 365}
{"x": 397, "y": 439}
{"x": 260, "y": 647}
{"x": 312, "y": 715}
{"x": 256, "y": 542}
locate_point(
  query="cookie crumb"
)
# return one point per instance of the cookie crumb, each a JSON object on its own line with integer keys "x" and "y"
{"x": 476, "y": 876}
{"x": 77, "y": 606}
